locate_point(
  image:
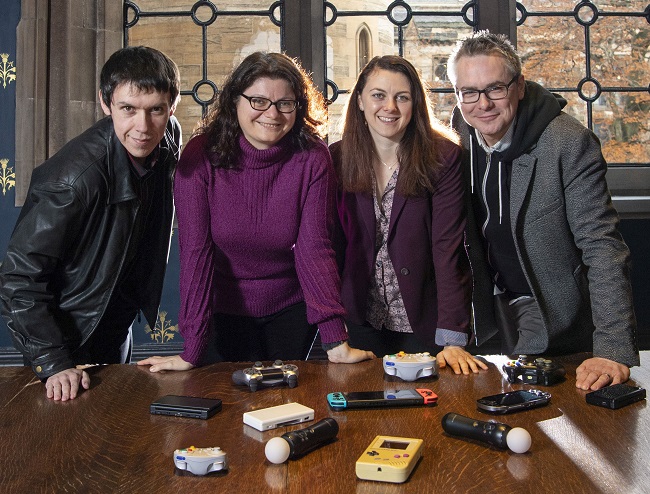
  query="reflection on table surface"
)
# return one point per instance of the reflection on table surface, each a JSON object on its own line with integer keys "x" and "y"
{"x": 107, "y": 441}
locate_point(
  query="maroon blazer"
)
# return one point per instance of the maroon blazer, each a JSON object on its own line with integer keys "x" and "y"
{"x": 425, "y": 245}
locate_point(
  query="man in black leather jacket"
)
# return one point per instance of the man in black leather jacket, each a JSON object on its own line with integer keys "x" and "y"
{"x": 90, "y": 246}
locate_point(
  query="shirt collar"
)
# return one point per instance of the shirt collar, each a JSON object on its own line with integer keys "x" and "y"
{"x": 502, "y": 145}
{"x": 149, "y": 163}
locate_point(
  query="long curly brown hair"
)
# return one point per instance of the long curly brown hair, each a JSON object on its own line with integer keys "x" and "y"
{"x": 221, "y": 125}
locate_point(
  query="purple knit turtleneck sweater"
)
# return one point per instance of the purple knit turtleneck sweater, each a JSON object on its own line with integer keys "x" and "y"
{"x": 257, "y": 239}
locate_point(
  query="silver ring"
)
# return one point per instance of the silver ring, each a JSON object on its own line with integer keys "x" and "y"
{"x": 608, "y": 376}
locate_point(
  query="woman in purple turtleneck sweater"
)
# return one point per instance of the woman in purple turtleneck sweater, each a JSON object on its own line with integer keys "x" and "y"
{"x": 255, "y": 198}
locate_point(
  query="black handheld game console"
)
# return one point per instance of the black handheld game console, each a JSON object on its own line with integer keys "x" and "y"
{"x": 616, "y": 396}
{"x": 186, "y": 406}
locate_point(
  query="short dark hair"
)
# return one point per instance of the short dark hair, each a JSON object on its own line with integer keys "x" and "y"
{"x": 222, "y": 125}
{"x": 146, "y": 68}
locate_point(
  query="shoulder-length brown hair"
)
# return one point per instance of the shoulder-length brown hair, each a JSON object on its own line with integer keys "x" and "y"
{"x": 418, "y": 150}
{"x": 221, "y": 125}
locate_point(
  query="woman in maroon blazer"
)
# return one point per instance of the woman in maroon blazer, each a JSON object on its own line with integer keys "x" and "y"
{"x": 406, "y": 282}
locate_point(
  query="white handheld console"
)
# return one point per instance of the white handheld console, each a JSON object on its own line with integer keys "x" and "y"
{"x": 279, "y": 416}
{"x": 389, "y": 459}
{"x": 410, "y": 366}
{"x": 200, "y": 461}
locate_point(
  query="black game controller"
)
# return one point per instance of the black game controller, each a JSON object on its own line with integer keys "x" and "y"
{"x": 538, "y": 371}
{"x": 260, "y": 376}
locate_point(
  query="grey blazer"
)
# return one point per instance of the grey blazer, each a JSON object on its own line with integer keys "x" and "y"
{"x": 566, "y": 234}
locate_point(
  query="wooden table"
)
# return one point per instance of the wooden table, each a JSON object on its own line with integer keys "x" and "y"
{"x": 107, "y": 441}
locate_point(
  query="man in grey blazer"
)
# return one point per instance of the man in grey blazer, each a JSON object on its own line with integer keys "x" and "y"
{"x": 551, "y": 270}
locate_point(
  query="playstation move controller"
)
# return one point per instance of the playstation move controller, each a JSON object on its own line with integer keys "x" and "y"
{"x": 295, "y": 444}
{"x": 496, "y": 434}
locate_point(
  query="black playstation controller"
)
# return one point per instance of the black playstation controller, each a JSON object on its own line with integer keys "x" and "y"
{"x": 261, "y": 376}
{"x": 540, "y": 371}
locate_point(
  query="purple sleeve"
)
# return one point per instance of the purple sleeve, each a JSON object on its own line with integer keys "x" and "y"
{"x": 191, "y": 192}
{"x": 453, "y": 277}
{"x": 315, "y": 260}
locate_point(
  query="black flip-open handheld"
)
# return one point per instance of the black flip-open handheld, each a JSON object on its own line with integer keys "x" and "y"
{"x": 616, "y": 396}
{"x": 513, "y": 401}
{"x": 186, "y": 406}
{"x": 378, "y": 399}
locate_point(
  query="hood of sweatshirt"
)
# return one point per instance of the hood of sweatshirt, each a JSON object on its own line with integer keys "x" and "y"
{"x": 536, "y": 110}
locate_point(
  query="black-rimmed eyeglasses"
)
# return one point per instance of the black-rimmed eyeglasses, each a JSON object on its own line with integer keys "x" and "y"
{"x": 494, "y": 93}
{"x": 263, "y": 104}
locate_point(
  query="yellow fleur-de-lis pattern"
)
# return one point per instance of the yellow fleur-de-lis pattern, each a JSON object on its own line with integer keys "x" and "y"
{"x": 7, "y": 70}
{"x": 7, "y": 176}
{"x": 164, "y": 330}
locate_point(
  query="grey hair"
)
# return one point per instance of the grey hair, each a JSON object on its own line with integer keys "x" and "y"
{"x": 484, "y": 43}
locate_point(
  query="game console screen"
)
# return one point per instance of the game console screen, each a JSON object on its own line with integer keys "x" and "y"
{"x": 381, "y": 395}
{"x": 514, "y": 398}
{"x": 394, "y": 445}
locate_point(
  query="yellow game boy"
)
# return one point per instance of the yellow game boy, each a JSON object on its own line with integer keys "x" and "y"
{"x": 389, "y": 459}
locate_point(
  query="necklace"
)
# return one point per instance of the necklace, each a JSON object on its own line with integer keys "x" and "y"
{"x": 390, "y": 167}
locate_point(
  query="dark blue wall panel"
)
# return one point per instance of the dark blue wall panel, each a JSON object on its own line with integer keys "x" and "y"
{"x": 8, "y": 212}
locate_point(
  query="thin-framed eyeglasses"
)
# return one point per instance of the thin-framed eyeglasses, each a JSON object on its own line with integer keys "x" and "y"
{"x": 263, "y": 104}
{"x": 494, "y": 93}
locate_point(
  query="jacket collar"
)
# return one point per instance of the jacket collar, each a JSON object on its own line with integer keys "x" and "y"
{"x": 366, "y": 201}
{"x": 399, "y": 201}
{"x": 120, "y": 177}
{"x": 367, "y": 209}
{"x": 522, "y": 174}
{"x": 120, "y": 180}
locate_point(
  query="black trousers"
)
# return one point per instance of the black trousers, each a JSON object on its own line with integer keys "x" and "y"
{"x": 521, "y": 325}
{"x": 110, "y": 343}
{"x": 385, "y": 342}
{"x": 285, "y": 335}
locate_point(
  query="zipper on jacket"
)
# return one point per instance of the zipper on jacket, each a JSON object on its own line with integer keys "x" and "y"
{"x": 484, "y": 192}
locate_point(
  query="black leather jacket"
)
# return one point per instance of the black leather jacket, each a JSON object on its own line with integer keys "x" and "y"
{"x": 68, "y": 247}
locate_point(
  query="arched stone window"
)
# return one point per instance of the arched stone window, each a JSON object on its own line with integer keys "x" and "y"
{"x": 364, "y": 47}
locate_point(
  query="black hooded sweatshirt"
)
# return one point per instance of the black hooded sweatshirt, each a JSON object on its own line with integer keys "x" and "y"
{"x": 491, "y": 182}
